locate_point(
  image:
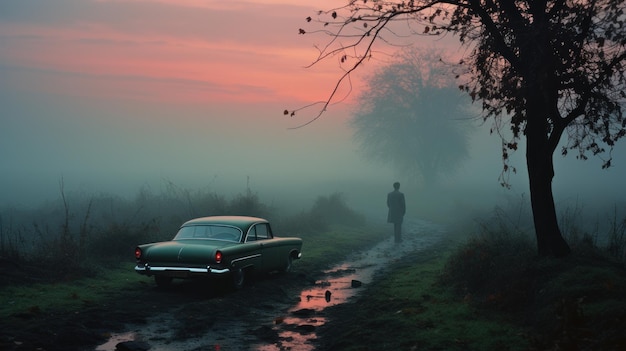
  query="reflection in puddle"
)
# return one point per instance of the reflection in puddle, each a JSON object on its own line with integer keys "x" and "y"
{"x": 115, "y": 339}
{"x": 333, "y": 291}
{"x": 341, "y": 283}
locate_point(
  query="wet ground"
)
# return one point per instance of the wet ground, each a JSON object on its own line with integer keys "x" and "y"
{"x": 281, "y": 312}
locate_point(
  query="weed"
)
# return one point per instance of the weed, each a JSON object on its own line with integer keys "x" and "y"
{"x": 568, "y": 303}
{"x": 334, "y": 210}
{"x": 409, "y": 308}
{"x": 66, "y": 239}
{"x": 617, "y": 238}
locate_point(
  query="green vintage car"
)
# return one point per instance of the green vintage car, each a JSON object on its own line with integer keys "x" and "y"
{"x": 218, "y": 246}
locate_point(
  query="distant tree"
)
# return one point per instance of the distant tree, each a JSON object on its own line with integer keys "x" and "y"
{"x": 411, "y": 116}
{"x": 542, "y": 68}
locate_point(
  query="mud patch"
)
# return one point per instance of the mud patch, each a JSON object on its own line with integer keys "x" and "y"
{"x": 282, "y": 311}
{"x": 340, "y": 284}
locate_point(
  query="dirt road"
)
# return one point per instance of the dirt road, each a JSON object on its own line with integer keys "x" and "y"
{"x": 276, "y": 312}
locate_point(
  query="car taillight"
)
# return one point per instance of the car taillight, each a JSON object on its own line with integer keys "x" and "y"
{"x": 218, "y": 257}
{"x": 137, "y": 253}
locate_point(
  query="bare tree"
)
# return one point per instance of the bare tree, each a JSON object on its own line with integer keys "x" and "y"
{"x": 411, "y": 116}
{"x": 540, "y": 69}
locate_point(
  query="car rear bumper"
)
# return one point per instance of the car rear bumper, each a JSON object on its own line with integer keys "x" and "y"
{"x": 183, "y": 272}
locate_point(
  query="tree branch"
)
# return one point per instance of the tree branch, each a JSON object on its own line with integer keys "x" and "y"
{"x": 373, "y": 32}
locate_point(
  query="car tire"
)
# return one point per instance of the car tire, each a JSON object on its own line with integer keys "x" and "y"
{"x": 238, "y": 278}
{"x": 162, "y": 282}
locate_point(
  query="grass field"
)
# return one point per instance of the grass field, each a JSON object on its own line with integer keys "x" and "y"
{"x": 431, "y": 302}
{"x": 319, "y": 251}
{"x": 483, "y": 294}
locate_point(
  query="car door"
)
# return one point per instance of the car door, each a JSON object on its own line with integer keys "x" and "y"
{"x": 249, "y": 253}
{"x": 270, "y": 252}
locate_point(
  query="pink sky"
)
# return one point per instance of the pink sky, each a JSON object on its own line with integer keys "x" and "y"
{"x": 178, "y": 51}
{"x": 116, "y": 94}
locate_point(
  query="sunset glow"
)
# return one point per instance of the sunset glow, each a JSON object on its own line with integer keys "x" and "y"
{"x": 112, "y": 95}
{"x": 183, "y": 51}
{"x": 117, "y": 95}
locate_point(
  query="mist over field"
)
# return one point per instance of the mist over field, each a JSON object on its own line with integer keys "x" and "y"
{"x": 93, "y": 148}
{"x": 104, "y": 104}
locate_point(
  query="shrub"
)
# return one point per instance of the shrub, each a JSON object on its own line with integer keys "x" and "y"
{"x": 303, "y": 222}
{"x": 248, "y": 205}
{"x": 567, "y": 300}
{"x": 616, "y": 246}
{"x": 483, "y": 269}
{"x": 118, "y": 240}
{"x": 80, "y": 231}
{"x": 333, "y": 209}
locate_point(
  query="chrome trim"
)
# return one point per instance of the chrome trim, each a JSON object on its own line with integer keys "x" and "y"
{"x": 146, "y": 269}
{"x": 244, "y": 258}
{"x": 219, "y": 271}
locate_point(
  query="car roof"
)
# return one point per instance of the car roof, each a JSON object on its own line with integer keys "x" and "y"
{"x": 242, "y": 222}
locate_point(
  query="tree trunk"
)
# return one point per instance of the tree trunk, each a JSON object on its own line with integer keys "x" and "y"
{"x": 539, "y": 154}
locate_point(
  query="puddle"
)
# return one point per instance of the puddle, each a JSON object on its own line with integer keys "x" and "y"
{"x": 297, "y": 327}
{"x": 115, "y": 339}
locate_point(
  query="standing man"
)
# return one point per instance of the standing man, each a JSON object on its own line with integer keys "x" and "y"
{"x": 397, "y": 208}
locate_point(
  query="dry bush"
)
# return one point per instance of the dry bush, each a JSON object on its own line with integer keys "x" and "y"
{"x": 79, "y": 232}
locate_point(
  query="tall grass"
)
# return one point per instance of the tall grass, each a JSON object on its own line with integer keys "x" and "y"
{"x": 617, "y": 238}
{"x": 504, "y": 244}
{"x": 78, "y": 231}
{"x": 567, "y": 302}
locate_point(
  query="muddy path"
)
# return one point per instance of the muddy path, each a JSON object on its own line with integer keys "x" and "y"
{"x": 281, "y": 312}
{"x": 276, "y": 312}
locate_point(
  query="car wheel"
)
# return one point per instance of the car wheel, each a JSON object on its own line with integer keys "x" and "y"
{"x": 239, "y": 278}
{"x": 162, "y": 281}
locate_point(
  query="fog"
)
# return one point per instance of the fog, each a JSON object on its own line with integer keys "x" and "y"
{"x": 96, "y": 147}
{"x": 106, "y": 106}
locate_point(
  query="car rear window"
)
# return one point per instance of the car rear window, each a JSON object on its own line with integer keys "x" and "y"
{"x": 213, "y": 232}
